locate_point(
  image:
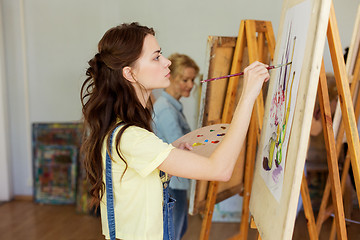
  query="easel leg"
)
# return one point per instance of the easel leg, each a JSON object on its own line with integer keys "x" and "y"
{"x": 229, "y": 104}
{"x": 248, "y": 178}
{"x": 343, "y": 185}
{"x": 331, "y": 154}
{"x": 347, "y": 107}
{"x": 253, "y": 226}
{"x": 323, "y": 215}
{"x": 247, "y": 32}
{"x": 353, "y": 89}
{"x": 210, "y": 203}
{"x": 309, "y": 213}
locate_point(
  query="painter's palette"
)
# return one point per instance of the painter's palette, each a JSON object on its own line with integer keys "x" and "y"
{"x": 204, "y": 140}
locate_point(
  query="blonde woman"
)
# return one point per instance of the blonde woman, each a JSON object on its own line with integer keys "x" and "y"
{"x": 170, "y": 124}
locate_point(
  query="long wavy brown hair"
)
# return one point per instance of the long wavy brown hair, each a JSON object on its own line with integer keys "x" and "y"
{"x": 107, "y": 97}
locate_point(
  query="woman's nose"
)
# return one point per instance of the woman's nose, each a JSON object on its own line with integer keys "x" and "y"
{"x": 190, "y": 84}
{"x": 167, "y": 62}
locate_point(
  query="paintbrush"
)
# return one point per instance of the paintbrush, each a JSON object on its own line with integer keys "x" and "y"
{"x": 242, "y": 73}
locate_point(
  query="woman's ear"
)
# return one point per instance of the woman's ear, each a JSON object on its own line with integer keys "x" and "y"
{"x": 126, "y": 71}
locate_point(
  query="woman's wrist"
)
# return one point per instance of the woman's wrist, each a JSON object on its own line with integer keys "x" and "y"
{"x": 247, "y": 100}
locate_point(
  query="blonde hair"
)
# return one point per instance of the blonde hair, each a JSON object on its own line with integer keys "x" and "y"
{"x": 179, "y": 62}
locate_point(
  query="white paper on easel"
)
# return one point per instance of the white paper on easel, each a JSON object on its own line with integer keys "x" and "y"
{"x": 284, "y": 97}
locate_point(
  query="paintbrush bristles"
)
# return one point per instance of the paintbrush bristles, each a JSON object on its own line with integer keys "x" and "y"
{"x": 281, "y": 65}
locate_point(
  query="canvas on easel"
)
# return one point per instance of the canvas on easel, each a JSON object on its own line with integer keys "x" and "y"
{"x": 288, "y": 113}
{"x": 220, "y": 51}
{"x": 219, "y": 98}
{"x": 258, "y": 38}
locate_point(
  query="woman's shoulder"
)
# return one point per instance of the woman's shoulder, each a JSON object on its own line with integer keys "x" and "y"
{"x": 133, "y": 131}
{"x": 134, "y": 136}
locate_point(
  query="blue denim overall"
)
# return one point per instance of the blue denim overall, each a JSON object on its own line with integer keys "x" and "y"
{"x": 168, "y": 225}
{"x": 168, "y": 205}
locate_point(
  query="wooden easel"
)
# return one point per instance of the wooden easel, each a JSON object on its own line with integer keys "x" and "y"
{"x": 326, "y": 210}
{"x": 349, "y": 126}
{"x": 255, "y": 50}
{"x": 247, "y": 32}
{"x": 247, "y": 36}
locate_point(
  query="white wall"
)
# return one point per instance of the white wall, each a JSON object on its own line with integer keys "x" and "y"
{"x": 62, "y": 36}
{"x": 17, "y": 93}
{"x": 5, "y": 176}
{"x": 48, "y": 44}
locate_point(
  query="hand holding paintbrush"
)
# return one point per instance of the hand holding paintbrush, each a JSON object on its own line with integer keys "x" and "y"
{"x": 242, "y": 73}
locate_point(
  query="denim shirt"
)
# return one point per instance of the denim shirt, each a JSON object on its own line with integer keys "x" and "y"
{"x": 169, "y": 125}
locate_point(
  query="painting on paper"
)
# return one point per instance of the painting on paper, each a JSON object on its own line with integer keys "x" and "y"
{"x": 288, "y": 113}
{"x": 284, "y": 97}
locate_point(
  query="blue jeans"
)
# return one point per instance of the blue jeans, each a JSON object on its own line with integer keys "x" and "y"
{"x": 180, "y": 212}
{"x": 168, "y": 224}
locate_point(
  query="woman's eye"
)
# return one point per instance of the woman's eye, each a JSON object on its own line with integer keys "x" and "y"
{"x": 158, "y": 57}
{"x": 188, "y": 80}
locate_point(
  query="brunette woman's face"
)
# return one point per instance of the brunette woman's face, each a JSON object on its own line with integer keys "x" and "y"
{"x": 184, "y": 82}
{"x": 151, "y": 70}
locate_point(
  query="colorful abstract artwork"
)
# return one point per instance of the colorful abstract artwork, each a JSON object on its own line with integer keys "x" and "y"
{"x": 55, "y": 174}
{"x": 55, "y": 161}
{"x": 288, "y": 114}
{"x": 57, "y": 133}
{"x": 284, "y": 97}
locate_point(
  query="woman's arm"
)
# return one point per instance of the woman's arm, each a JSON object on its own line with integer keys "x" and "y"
{"x": 219, "y": 166}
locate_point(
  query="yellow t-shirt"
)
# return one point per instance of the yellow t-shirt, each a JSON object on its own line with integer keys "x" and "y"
{"x": 138, "y": 196}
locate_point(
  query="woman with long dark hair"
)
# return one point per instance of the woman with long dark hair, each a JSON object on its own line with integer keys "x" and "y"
{"x": 126, "y": 164}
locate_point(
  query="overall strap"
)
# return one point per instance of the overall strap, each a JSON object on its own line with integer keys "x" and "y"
{"x": 109, "y": 192}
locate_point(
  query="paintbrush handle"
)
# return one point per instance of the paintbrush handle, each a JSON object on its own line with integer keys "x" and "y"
{"x": 242, "y": 73}
{"x": 227, "y": 76}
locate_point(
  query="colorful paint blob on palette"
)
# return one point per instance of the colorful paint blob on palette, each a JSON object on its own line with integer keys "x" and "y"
{"x": 207, "y": 140}
{"x": 197, "y": 144}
